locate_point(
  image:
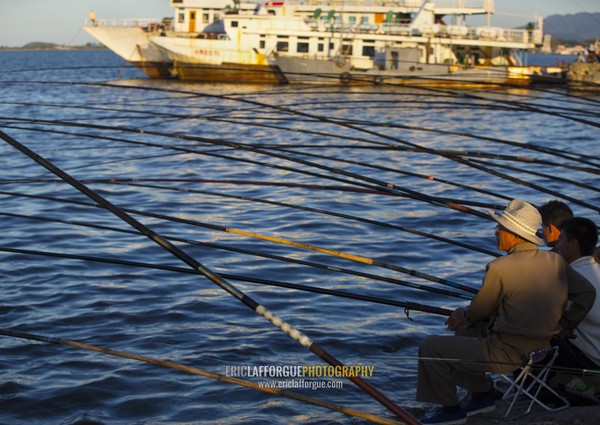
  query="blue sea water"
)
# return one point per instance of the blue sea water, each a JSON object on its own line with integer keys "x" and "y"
{"x": 200, "y": 164}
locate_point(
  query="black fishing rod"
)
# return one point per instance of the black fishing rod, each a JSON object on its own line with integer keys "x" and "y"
{"x": 407, "y": 306}
{"x": 395, "y": 147}
{"x": 384, "y": 186}
{"x": 388, "y": 186}
{"x": 265, "y": 105}
{"x": 335, "y": 253}
{"x": 255, "y": 253}
{"x": 537, "y": 187}
{"x": 390, "y": 147}
{"x": 285, "y": 109}
{"x": 401, "y": 172}
{"x": 538, "y": 174}
{"x": 551, "y": 151}
{"x": 215, "y": 278}
{"x": 140, "y": 182}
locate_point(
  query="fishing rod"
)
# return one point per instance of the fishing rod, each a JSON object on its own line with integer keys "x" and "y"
{"x": 359, "y": 129}
{"x": 335, "y": 253}
{"x": 551, "y": 151}
{"x": 238, "y": 250}
{"x": 537, "y": 187}
{"x": 521, "y": 106}
{"x": 384, "y": 186}
{"x": 196, "y": 371}
{"x": 139, "y": 182}
{"x": 125, "y": 181}
{"x": 430, "y": 178}
{"x": 407, "y": 306}
{"x": 261, "y": 310}
{"x": 502, "y": 176}
{"x": 395, "y": 147}
{"x": 430, "y": 199}
{"x": 262, "y": 105}
{"x": 566, "y": 369}
{"x": 538, "y": 174}
{"x": 402, "y": 172}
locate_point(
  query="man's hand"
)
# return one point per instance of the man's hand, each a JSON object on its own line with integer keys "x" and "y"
{"x": 457, "y": 318}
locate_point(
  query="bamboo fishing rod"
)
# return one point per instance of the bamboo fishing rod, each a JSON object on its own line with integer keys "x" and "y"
{"x": 294, "y": 333}
{"x": 407, "y": 306}
{"x": 255, "y": 253}
{"x": 196, "y": 371}
{"x": 335, "y": 253}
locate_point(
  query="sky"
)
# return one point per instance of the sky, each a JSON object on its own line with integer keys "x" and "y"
{"x": 60, "y": 21}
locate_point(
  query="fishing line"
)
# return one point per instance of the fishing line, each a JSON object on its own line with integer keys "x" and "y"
{"x": 407, "y": 306}
{"x": 215, "y": 376}
{"x": 565, "y": 369}
{"x": 223, "y": 284}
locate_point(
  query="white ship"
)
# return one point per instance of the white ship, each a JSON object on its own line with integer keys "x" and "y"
{"x": 334, "y": 41}
{"x": 130, "y": 39}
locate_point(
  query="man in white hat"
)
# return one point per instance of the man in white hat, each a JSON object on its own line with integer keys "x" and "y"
{"x": 518, "y": 309}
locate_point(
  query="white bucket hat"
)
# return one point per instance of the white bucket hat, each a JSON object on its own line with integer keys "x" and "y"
{"x": 522, "y": 219}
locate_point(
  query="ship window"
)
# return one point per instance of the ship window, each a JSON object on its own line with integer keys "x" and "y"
{"x": 181, "y": 18}
{"x": 262, "y": 44}
{"x": 346, "y": 49}
{"x": 205, "y": 18}
{"x": 282, "y": 46}
{"x": 234, "y": 24}
{"x": 302, "y": 48}
{"x": 320, "y": 47}
{"x": 368, "y": 51}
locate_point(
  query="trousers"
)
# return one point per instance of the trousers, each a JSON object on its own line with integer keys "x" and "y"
{"x": 448, "y": 361}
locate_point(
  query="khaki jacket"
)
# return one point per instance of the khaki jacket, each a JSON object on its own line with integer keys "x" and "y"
{"x": 524, "y": 294}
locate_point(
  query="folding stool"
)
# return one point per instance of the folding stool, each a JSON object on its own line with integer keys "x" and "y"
{"x": 530, "y": 381}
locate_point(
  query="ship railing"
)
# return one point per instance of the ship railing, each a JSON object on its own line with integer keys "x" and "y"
{"x": 411, "y": 4}
{"x": 451, "y": 32}
{"x": 124, "y": 23}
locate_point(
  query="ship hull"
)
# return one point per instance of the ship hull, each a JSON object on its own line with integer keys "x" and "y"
{"x": 133, "y": 44}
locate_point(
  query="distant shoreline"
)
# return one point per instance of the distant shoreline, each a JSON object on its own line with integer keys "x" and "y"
{"x": 47, "y": 46}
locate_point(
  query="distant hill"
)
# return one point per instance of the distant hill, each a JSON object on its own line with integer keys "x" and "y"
{"x": 38, "y": 45}
{"x": 573, "y": 28}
